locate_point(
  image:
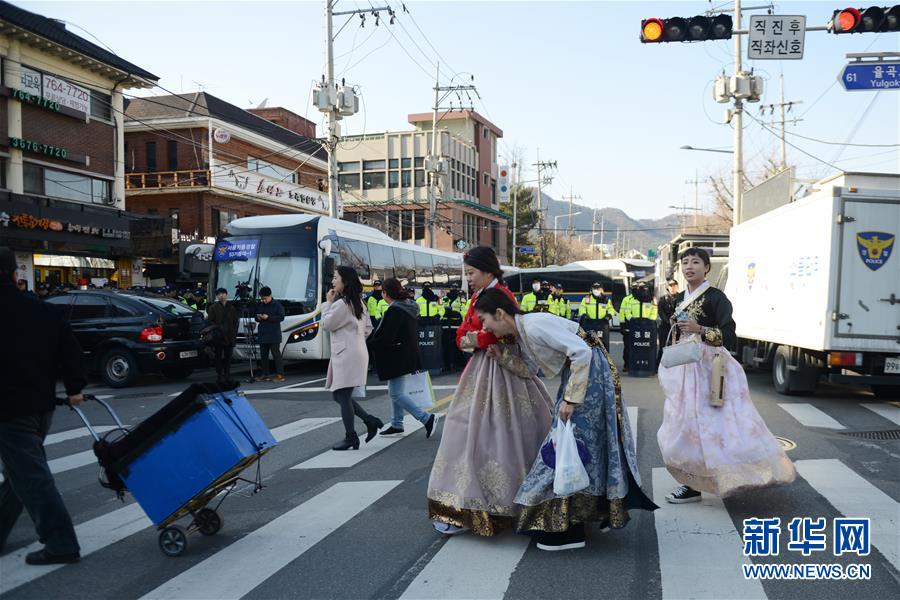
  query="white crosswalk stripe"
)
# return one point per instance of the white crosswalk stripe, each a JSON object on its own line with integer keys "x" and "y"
{"x": 699, "y": 534}
{"x": 74, "y": 434}
{"x": 334, "y": 459}
{"x": 633, "y": 421}
{"x": 810, "y": 416}
{"x": 270, "y": 548}
{"x": 488, "y": 565}
{"x": 92, "y": 535}
{"x": 854, "y": 497}
{"x": 888, "y": 411}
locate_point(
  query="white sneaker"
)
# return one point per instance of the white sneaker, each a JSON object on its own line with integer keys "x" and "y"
{"x": 448, "y": 529}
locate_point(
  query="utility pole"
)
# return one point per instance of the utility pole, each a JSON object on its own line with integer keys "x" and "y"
{"x": 738, "y": 183}
{"x": 593, "y": 230}
{"x": 541, "y": 165}
{"x": 572, "y": 197}
{"x": 435, "y": 163}
{"x": 784, "y": 121}
{"x": 602, "y": 228}
{"x": 696, "y": 182}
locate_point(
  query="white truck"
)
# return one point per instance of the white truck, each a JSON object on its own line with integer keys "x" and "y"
{"x": 816, "y": 288}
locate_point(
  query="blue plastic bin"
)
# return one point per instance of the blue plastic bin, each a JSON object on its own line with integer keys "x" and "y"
{"x": 223, "y": 436}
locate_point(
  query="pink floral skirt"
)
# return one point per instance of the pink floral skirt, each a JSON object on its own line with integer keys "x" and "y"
{"x": 724, "y": 450}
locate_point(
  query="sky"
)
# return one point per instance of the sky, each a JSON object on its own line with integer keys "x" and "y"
{"x": 570, "y": 80}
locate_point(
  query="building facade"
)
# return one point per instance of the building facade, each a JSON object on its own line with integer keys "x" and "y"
{"x": 62, "y": 169}
{"x": 203, "y": 162}
{"x": 384, "y": 183}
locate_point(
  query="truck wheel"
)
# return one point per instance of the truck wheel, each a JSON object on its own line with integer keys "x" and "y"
{"x": 886, "y": 392}
{"x": 118, "y": 368}
{"x": 792, "y": 382}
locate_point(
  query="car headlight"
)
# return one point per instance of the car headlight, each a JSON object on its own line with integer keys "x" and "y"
{"x": 304, "y": 335}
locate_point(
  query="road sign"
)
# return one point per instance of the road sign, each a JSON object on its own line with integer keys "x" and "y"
{"x": 860, "y": 76}
{"x": 526, "y": 250}
{"x": 776, "y": 37}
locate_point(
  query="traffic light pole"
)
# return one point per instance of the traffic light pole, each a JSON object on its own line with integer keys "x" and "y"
{"x": 738, "y": 184}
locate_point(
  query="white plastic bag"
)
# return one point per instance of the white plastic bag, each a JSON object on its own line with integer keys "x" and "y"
{"x": 570, "y": 475}
{"x": 358, "y": 392}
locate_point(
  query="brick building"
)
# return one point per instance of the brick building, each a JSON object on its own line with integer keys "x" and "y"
{"x": 204, "y": 162}
{"x": 62, "y": 170}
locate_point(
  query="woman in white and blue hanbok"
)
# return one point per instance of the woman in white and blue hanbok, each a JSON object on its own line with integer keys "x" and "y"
{"x": 591, "y": 397}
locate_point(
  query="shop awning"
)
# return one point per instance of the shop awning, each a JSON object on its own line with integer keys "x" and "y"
{"x": 81, "y": 262}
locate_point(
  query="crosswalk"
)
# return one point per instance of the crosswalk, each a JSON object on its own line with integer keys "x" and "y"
{"x": 461, "y": 567}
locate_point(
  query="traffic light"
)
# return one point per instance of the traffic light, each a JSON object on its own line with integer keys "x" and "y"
{"x": 503, "y": 184}
{"x": 873, "y": 19}
{"x": 686, "y": 29}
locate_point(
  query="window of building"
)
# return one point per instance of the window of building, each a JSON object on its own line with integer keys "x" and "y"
{"x": 221, "y": 218}
{"x": 420, "y": 162}
{"x": 172, "y": 152}
{"x": 175, "y": 215}
{"x": 349, "y": 181}
{"x": 394, "y": 179}
{"x": 420, "y": 177}
{"x": 101, "y": 105}
{"x": 349, "y": 167}
{"x": 65, "y": 185}
{"x": 151, "y": 157}
{"x": 394, "y": 163}
{"x": 374, "y": 165}
{"x": 267, "y": 169}
{"x": 406, "y": 178}
{"x": 373, "y": 180}
{"x": 487, "y": 179}
{"x": 484, "y": 132}
{"x": 34, "y": 179}
{"x": 406, "y": 163}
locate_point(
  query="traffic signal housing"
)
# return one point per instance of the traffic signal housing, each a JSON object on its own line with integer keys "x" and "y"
{"x": 686, "y": 29}
{"x": 873, "y": 19}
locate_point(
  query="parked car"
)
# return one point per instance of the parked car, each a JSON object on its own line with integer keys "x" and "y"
{"x": 124, "y": 334}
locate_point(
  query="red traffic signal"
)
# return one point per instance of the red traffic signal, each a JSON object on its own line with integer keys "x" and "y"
{"x": 873, "y": 19}
{"x": 693, "y": 29}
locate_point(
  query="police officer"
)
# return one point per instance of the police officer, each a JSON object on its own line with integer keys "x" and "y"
{"x": 38, "y": 347}
{"x": 559, "y": 303}
{"x": 641, "y": 306}
{"x": 431, "y": 308}
{"x": 625, "y": 308}
{"x": 666, "y": 307}
{"x": 454, "y": 303}
{"x": 373, "y": 302}
{"x": 454, "y": 311}
{"x": 595, "y": 312}
{"x": 529, "y": 300}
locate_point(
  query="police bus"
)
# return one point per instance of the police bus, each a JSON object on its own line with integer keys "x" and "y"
{"x": 296, "y": 256}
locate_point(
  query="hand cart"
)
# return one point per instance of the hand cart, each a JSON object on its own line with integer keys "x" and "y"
{"x": 178, "y": 461}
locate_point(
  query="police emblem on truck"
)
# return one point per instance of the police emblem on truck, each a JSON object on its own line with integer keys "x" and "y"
{"x": 875, "y": 247}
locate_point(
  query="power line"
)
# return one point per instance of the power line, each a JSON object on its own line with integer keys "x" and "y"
{"x": 775, "y": 133}
{"x": 844, "y": 143}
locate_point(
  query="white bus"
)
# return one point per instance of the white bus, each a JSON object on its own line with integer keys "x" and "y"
{"x": 296, "y": 255}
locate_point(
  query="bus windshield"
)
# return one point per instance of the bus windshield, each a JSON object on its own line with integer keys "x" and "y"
{"x": 287, "y": 263}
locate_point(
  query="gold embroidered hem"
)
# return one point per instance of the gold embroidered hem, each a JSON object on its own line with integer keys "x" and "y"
{"x": 728, "y": 480}
{"x": 558, "y": 514}
{"x": 478, "y": 521}
{"x": 713, "y": 336}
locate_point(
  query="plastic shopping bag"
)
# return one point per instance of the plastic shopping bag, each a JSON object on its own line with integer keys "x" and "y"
{"x": 358, "y": 392}
{"x": 570, "y": 475}
{"x": 419, "y": 389}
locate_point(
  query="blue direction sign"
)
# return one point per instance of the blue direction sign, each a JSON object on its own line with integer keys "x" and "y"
{"x": 870, "y": 76}
{"x": 526, "y": 250}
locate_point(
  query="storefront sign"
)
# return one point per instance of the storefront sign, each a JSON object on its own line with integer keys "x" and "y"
{"x": 67, "y": 94}
{"x": 238, "y": 179}
{"x": 36, "y": 147}
{"x": 33, "y": 99}
{"x": 28, "y": 221}
{"x": 31, "y": 81}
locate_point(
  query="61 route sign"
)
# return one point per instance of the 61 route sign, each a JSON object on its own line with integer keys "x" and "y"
{"x": 871, "y": 76}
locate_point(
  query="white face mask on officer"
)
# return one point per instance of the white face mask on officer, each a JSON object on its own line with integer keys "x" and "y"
{"x": 536, "y": 287}
{"x": 597, "y": 293}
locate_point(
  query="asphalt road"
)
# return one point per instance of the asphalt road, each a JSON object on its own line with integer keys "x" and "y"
{"x": 322, "y": 528}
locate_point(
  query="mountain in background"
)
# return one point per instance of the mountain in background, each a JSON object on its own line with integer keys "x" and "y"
{"x": 638, "y": 234}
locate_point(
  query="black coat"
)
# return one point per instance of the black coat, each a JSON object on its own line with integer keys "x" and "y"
{"x": 226, "y": 318}
{"x": 269, "y": 330}
{"x": 37, "y": 348}
{"x": 394, "y": 345}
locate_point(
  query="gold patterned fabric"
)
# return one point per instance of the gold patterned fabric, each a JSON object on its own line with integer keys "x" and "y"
{"x": 480, "y": 522}
{"x": 558, "y": 514}
{"x": 713, "y": 336}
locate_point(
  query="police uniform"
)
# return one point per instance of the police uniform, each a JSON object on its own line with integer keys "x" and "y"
{"x": 594, "y": 314}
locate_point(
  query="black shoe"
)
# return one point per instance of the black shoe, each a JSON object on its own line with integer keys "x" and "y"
{"x": 429, "y": 426}
{"x": 42, "y": 557}
{"x": 682, "y": 495}
{"x": 351, "y": 441}
{"x": 392, "y": 431}
{"x": 372, "y": 427}
{"x": 571, "y": 539}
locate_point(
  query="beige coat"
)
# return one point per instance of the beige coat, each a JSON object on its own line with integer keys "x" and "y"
{"x": 349, "y": 362}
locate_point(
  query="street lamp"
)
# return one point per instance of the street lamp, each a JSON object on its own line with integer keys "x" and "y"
{"x": 556, "y": 223}
{"x": 707, "y": 150}
{"x": 683, "y": 210}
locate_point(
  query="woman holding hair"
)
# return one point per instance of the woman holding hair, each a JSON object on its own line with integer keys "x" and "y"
{"x": 589, "y": 395}
{"x": 345, "y": 317}
{"x": 394, "y": 346}
{"x": 712, "y": 439}
{"x": 494, "y": 426}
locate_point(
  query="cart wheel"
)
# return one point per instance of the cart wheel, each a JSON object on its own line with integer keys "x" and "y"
{"x": 173, "y": 541}
{"x": 208, "y": 521}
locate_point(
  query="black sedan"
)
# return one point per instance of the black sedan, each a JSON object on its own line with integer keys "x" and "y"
{"x": 125, "y": 334}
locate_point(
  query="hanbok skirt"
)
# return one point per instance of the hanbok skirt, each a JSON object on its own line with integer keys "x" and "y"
{"x": 493, "y": 430}
{"x": 719, "y": 450}
{"x": 601, "y": 423}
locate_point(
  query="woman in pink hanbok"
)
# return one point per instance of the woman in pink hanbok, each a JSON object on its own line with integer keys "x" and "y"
{"x": 712, "y": 438}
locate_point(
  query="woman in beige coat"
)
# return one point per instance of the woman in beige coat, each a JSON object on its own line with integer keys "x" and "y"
{"x": 344, "y": 316}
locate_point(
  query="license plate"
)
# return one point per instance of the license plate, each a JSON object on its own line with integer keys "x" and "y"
{"x": 188, "y": 354}
{"x": 892, "y": 365}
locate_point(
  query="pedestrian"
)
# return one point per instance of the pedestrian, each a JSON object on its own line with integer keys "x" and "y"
{"x": 494, "y": 426}
{"x": 589, "y": 396}
{"x": 345, "y": 318}
{"x": 269, "y": 315}
{"x": 529, "y": 300}
{"x": 394, "y": 346}
{"x": 223, "y": 315}
{"x": 712, "y": 438}
{"x": 22, "y": 284}
{"x": 43, "y": 291}
{"x": 38, "y": 347}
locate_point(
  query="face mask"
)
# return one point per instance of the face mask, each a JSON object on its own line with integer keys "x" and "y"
{"x": 536, "y": 287}
{"x": 597, "y": 293}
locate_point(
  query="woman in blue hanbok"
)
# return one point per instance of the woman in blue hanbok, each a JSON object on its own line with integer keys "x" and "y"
{"x": 590, "y": 396}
